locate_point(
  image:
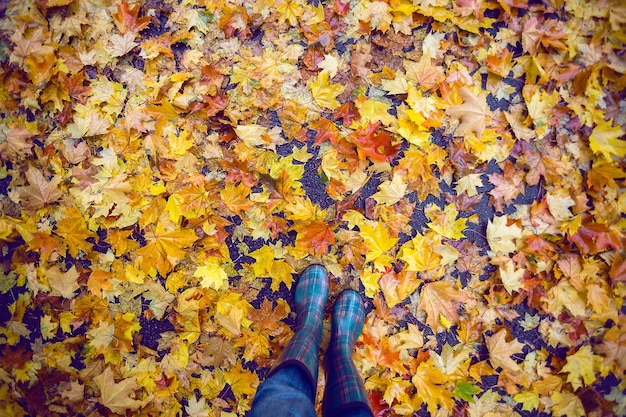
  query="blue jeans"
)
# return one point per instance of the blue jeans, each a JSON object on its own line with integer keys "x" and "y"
{"x": 289, "y": 393}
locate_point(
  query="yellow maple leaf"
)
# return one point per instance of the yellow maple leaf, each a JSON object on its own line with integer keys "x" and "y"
{"x": 378, "y": 243}
{"x": 267, "y": 265}
{"x": 179, "y": 142}
{"x": 419, "y": 255}
{"x": 469, "y": 184}
{"x": 432, "y": 388}
{"x": 564, "y": 295}
{"x": 567, "y": 404}
{"x": 369, "y": 279}
{"x": 63, "y": 283}
{"x": 290, "y": 11}
{"x": 445, "y": 222}
{"x": 73, "y": 229}
{"x": 373, "y": 111}
{"x": 117, "y": 396}
{"x": 324, "y": 92}
{"x": 528, "y": 399}
{"x": 165, "y": 248}
{"x": 511, "y": 276}
{"x": 40, "y": 192}
{"x": 581, "y": 367}
{"x": 252, "y": 134}
{"x": 241, "y": 381}
{"x": 605, "y": 140}
{"x": 601, "y": 302}
{"x": 412, "y": 338}
{"x": 212, "y": 274}
{"x": 236, "y": 197}
{"x": 501, "y": 238}
{"x": 390, "y": 192}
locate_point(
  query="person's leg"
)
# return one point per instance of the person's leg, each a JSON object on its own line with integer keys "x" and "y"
{"x": 287, "y": 392}
{"x": 345, "y": 393}
{"x": 294, "y": 378}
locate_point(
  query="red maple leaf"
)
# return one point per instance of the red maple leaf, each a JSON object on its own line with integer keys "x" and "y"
{"x": 348, "y": 112}
{"x": 377, "y": 146}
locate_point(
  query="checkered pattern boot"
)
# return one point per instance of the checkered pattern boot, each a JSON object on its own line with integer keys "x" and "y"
{"x": 344, "y": 386}
{"x": 303, "y": 348}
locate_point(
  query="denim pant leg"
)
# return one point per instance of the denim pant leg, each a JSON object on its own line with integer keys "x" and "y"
{"x": 287, "y": 392}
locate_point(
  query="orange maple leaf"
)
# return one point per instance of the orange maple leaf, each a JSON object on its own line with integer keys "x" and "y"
{"x": 126, "y": 18}
{"x": 315, "y": 236}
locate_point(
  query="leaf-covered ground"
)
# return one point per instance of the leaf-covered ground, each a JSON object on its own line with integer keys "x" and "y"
{"x": 169, "y": 167}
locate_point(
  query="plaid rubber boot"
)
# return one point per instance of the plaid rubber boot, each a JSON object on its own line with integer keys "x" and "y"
{"x": 344, "y": 385}
{"x": 303, "y": 348}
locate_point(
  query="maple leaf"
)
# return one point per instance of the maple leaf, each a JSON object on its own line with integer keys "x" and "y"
{"x": 567, "y": 404}
{"x": 469, "y": 184}
{"x": 581, "y": 367}
{"x": 315, "y": 236}
{"x": 377, "y": 146}
{"x": 378, "y": 243}
{"x": 473, "y": 113}
{"x": 431, "y": 387}
{"x": 397, "y": 287}
{"x": 347, "y": 112}
{"x": 324, "y": 92}
{"x": 507, "y": 185}
{"x": 63, "y": 283}
{"x": 606, "y": 140}
{"x": 618, "y": 268}
{"x": 439, "y": 301}
{"x": 40, "y": 192}
{"x": 212, "y": 274}
{"x": 126, "y": 18}
{"x": 235, "y": 197}
{"x": 500, "y": 236}
{"x": 99, "y": 281}
{"x": 419, "y": 255}
{"x": 325, "y": 130}
{"x": 117, "y": 396}
{"x": 593, "y": 238}
{"x": 510, "y": 276}
{"x": 241, "y": 381}
{"x": 164, "y": 249}
{"x": 445, "y": 222}
{"x": 73, "y": 230}
{"x": 564, "y": 295}
{"x": 500, "y": 351}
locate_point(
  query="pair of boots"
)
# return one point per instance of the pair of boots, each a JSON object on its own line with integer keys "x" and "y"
{"x": 344, "y": 386}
